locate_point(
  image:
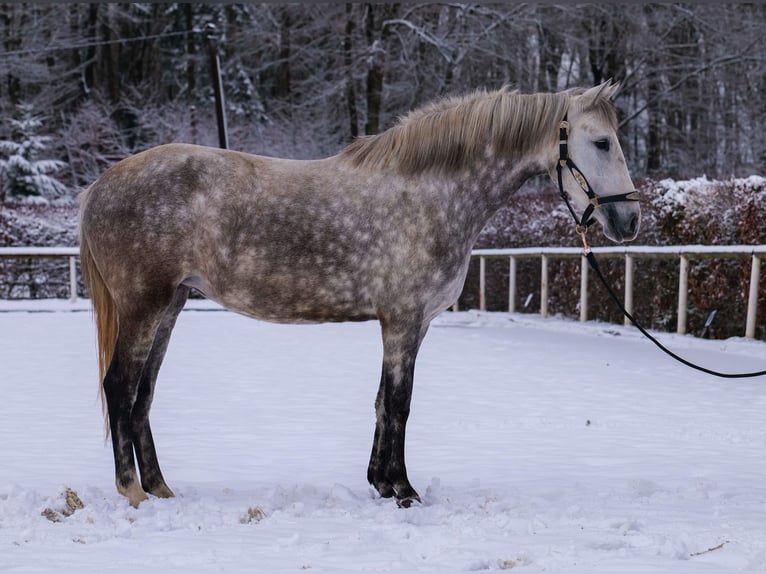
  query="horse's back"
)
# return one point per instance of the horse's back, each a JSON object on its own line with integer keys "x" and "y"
{"x": 168, "y": 176}
{"x": 260, "y": 235}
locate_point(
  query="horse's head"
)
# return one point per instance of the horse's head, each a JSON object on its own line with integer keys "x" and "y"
{"x": 592, "y": 173}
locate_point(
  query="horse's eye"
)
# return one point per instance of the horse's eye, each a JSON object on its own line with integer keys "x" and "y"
{"x": 603, "y": 144}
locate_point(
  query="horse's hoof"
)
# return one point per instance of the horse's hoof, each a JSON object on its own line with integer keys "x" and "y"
{"x": 162, "y": 491}
{"x": 136, "y": 497}
{"x": 406, "y": 496}
{"x": 407, "y": 502}
{"x": 385, "y": 489}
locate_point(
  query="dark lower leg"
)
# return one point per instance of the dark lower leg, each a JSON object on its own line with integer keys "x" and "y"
{"x": 376, "y": 471}
{"x": 387, "y": 470}
{"x": 119, "y": 401}
{"x": 152, "y": 480}
{"x": 137, "y": 332}
{"x": 396, "y": 471}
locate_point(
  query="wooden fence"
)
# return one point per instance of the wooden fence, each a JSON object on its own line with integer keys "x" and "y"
{"x": 684, "y": 253}
{"x": 72, "y": 253}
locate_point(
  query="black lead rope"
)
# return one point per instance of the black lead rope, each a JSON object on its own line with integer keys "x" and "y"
{"x": 594, "y": 265}
{"x": 581, "y": 225}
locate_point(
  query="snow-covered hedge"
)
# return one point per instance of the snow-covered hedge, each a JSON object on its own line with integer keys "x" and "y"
{"x": 696, "y": 211}
{"x": 707, "y": 212}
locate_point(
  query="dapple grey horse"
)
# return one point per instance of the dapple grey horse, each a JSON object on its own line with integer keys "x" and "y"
{"x": 382, "y": 230}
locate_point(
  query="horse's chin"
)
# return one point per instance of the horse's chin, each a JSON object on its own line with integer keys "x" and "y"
{"x": 614, "y": 238}
{"x": 619, "y": 236}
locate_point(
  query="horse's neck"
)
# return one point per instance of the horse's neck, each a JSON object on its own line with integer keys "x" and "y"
{"x": 488, "y": 188}
{"x": 492, "y": 179}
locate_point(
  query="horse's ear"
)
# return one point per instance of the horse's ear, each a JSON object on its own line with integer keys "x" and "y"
{"x": 611, "y": 88}
{"x": 606, "y": 89}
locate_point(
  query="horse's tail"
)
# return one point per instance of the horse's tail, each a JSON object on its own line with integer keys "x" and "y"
{"x": 104, "y": 310}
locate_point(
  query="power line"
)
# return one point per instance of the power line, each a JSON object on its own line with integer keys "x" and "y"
{"x": 94, "y": 43}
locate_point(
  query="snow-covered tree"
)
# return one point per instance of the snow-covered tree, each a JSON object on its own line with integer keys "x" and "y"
{"x": 23, "y": 172}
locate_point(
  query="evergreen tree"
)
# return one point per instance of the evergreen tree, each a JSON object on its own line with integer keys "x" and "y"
{"x": 22, "y": 172}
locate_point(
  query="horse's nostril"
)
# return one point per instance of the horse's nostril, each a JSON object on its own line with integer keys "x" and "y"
{"x": 633, "y": 225}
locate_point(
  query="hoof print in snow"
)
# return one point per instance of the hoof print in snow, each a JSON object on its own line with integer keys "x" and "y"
{"x": 52, "y": 515}
{"x": 254, "y": 514}
{"x": 73, "y": 503}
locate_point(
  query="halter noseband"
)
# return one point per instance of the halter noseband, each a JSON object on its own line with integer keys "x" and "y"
{"x": 594, "y": 200}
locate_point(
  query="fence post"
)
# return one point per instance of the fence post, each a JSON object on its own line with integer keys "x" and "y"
{"x": 583, "y": 288}
{"x": 628, "y": 288}
{"x": 752, "y": 299}
{"x": 482, "y": 284}
{"x": 683, "y": 290}
{"x": 512, "y": 285}
{"x": 544, "y": 286}
{"x": 72, "y": 280}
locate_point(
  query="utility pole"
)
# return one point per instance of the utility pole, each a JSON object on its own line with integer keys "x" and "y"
{"x": 215, "y": 71}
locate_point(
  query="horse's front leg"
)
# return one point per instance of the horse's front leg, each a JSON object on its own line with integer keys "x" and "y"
{"x": 387, "y": 471}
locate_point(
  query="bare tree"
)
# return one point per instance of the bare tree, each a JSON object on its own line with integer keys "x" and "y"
{"x": 302, "y": 80}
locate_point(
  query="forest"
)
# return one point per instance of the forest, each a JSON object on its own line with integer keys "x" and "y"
{"x": 84, "y": 85}
{"x": 302, "y": 80}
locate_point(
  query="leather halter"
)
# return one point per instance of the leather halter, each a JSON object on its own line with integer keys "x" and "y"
{"x": 594, "y": 200}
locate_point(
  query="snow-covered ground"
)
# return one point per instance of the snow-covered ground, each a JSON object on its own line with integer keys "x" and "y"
{"x": 537, "y": 446}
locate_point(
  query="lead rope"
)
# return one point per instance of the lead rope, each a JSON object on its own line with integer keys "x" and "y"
{"x": 594, "y": 265}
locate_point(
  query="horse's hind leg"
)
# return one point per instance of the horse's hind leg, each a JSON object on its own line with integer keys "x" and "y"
{"x": 387, "y": 471}
{"x": 138, "y": 325}
{"x": 152, "y": 480}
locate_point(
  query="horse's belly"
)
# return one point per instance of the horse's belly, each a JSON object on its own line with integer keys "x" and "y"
{"x": 290, "y": 300}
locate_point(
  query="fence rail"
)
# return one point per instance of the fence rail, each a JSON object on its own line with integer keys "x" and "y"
{"x": 72, "y": 253}
{"x": 684, "y": 253}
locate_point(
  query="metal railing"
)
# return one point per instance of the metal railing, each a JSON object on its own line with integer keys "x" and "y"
{"x": 684, "y": 253}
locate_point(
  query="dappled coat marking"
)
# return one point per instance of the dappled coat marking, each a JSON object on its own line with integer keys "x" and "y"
{"x": 383, "y": 230}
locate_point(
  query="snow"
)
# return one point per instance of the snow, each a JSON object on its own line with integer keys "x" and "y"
{"x": 536, "y": 445}
{"x": 754, "y": 182}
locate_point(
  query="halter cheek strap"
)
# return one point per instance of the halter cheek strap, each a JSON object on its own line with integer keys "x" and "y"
{"x": 594, "y": 200}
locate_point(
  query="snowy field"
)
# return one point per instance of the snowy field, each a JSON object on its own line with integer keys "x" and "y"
{"x": 536, "y": 445}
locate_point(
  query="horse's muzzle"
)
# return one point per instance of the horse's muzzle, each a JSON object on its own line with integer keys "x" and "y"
{"x": 621, "y": 222}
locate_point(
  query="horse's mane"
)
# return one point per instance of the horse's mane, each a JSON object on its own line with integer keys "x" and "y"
{"x": 451, "y": 134}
